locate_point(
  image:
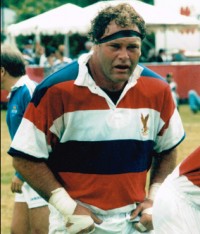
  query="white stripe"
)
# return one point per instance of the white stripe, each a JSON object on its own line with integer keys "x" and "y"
{"x": 30, "y": 140}
{"x": 109, "y": 124}
{"x": 173, "y": 134}
{"x": 99, "y": 126}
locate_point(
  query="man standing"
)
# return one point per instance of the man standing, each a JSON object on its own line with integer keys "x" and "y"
{"x": 31, "y": 212}
{"x": 173, "y": 87}
{"x": 194, "y": 101}
{"x": 95, "y": 128}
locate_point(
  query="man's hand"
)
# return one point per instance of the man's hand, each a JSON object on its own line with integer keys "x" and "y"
{"x": 16, "y": 185}
{"x": 82, "y": 221}
{"x": 80, "y": 210}
{"x": 78, "y": 222}
{"x": 78, "y": 219}
{"x": 145, "y": 223}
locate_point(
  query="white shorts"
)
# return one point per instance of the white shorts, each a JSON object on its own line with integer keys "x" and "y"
{"x": 112, "y": 224}
{"x": 30, "y": 196}
{"x": 173, "y": 211}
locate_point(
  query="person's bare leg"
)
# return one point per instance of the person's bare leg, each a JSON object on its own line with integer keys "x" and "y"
{"x": 20, "y": 219}
{"x": 39, "y": 220}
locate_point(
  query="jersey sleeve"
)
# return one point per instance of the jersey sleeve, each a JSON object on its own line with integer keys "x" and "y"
{"x": 171, "y": 132}
{"x": 33, "y": 136}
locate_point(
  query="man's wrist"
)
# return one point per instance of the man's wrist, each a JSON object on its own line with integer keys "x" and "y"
{"x": 153, "y": 190}
{"x": 148, "y": 211}
{"x": 61, "y": 200}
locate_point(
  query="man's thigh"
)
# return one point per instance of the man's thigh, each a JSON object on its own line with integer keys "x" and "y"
{"x": 20, "y": 220}
{"x": 39, "y": 219}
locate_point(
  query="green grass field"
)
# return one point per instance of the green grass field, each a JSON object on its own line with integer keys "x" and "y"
{"x": 192, "y": 127}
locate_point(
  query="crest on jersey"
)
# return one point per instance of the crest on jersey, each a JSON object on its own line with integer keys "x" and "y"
{"x": 14, "y": 109}
{"x": 144, "y": 120}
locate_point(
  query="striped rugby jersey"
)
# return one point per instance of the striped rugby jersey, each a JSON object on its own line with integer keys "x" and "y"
{"x": 100, "y": 151}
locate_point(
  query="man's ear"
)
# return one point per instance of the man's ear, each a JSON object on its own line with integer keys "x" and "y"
{"x": 3, "y": 71}
{"x": 3, "y": 74}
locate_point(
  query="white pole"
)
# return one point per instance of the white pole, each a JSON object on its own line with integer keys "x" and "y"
{"x": 66, "y": 43}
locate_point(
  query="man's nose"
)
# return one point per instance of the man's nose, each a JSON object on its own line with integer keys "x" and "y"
{"x": 123, "y": 53}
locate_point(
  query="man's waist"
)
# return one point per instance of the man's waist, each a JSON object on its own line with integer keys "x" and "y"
{"x": 97, "y": 210}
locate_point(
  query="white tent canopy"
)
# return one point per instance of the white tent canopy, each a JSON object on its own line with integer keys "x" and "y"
{"x": 63, "y": 19}
{"x": 156, "y": 18}
{"x": 70, "y": 18}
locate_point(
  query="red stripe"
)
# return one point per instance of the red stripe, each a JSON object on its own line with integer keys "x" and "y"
{"x": 150, "y": 93}
{"x": 66, "y": 97}
{"x": 190, "y": 167}
{"x": 106, "y": 191}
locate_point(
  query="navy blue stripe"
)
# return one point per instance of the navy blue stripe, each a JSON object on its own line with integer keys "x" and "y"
{"x": 15, "y": 153}
{"x": 104, "y": 157}
{"x": 69, "y": 72}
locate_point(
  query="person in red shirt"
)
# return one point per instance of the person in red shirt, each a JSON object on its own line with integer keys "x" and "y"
{"x": 176, "y": 206}
{"x": 95, "y": 128}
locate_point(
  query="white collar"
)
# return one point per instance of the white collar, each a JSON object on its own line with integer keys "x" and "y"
{"x": 18, "y": 84}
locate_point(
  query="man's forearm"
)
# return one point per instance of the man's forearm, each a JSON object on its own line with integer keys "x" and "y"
{"x": 162, "y": 166}
{"x": 40, "y": 178}
{"x": 38, "y": 175}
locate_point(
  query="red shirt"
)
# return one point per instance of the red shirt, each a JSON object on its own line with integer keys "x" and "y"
{"x": 190, "y": 167}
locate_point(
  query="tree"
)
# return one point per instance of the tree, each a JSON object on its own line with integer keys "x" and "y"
{"x": 28, "y": 8}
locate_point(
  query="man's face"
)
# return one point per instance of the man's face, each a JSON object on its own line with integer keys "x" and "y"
{"x": 118, "y": 58}
{"x": 2, "y": 78}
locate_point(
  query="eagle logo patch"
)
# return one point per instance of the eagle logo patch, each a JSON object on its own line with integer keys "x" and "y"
{"x": 144, "y": 120}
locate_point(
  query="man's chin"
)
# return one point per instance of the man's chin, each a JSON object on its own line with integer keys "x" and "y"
{"x": 121, "y": 78}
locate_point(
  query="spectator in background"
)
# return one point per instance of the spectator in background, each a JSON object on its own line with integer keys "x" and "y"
{"x": 180, "y": 56}
{"x": 161, "y": 57}
{"x": 194, "y": 101}
{"x": 27, "y": 52}
{"x": 151, "y": 55}
{"x": 87, "y": 47}
{"x": 173, "y": 87}
{"x": 28, "y": 48}
{"x": 39, "y": 57}
{"x": 49, "y": 61}
{"x": 30, "y": 214}
{"x": 50, "y": 53}
{"x": 61, "y": 59}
